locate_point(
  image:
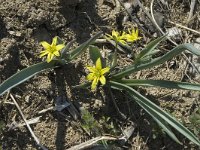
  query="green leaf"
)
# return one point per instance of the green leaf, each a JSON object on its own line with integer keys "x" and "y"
{"x": 161, "y": 83}
{"x": 120, "y": 47}
{"x": 94, "y": 53}
{"x": 59, "y": 41}
{"x": 149, "y": 49}
{"x": 156, "y": 111}
{"x": 76, "y": 52}
{"x": 157, "y": 61}
{"x": 112, "y": 60}
{"x": 24, "y": 75}
{"x": 64, "y": 52}
{"x": 147, "y": 58}
{"x": 161, "y": 122}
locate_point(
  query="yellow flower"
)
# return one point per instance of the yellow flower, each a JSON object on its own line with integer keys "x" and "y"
{"x": 97, "y": 74}
{"x": 132, "y": 36}
{"x": 51, "y": 50}
{"x": 117, "y": 37}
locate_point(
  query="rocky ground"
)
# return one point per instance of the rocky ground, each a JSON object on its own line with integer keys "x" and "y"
{"x": 23, "y": 24}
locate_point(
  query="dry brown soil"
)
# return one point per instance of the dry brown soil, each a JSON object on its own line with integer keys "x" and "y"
{"x": 24, "y": 23}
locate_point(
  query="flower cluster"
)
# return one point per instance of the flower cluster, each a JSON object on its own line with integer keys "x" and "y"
{"x": 51, "y": 50}
{"x": 117, "y": 37}
{"x": 124, "y": 37}
{"x": 97, "y": 74}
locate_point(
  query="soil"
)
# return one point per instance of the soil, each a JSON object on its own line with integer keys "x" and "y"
{"x": 23, "y": 24}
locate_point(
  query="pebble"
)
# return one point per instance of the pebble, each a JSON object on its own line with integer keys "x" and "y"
{"x": 18, "y": 34}
{"x": 174, "y": 31}
{"x": 198, "y": 40}
{"x": 27, "y": 98}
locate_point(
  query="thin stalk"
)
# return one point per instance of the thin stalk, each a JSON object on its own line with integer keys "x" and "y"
{"x": 27, "y": 124}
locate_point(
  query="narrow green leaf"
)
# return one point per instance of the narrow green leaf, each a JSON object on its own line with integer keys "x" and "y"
{"x": 112, "y": 60}
{"x": 64, "y": 52}
{"x": 94, "y": 53}
{"x": 146, "y": 58}
{"x": 157, "y": 61}
{"x": 157, "y": 118}
{"x": 76, "y": 52}
{"x": 24, "y": 75}
{"x": 158, "y": 111}
{"x": 59, "y": 41}
{"x": 161, "y": 83}
{"x": 120, "y": 47}
{"x": 149, "y": 48}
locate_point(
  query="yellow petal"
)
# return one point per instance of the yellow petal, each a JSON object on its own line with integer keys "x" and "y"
{"x": 43, "y": 53}
{"x": 115, "y": 33}
{"x": 128, "y": 31}
{"x": 94, "y": 83}
{"x": 56, "y": 53}
{"x": 45, "y": 45}
{"x": 133, "y": 31}
{"x": 59, "y": 47}
{"x": 105, "y": 70}
{"x": 136, "y": 32}
{"x": 91, "y": 69}
{"x": 123, "y": 42}
{"x": 90, "y": 76}
{"x": 49, "y": 57}
{"x": 123, "y": 34}
{"x": 102, "y": 80}
{"x": 54, "y": 42}
{"x": 98, "y": 64}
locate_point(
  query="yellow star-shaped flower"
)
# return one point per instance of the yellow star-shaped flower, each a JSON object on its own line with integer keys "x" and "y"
{"x": 51, "y": 50}
{"x": 132, "y": 35}
{"x": 97, "y": 74}
{"x": 117, "y": 37}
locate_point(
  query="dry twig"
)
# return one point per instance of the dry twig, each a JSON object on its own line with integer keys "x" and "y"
{"x": 157, "y": 26}
{"x": 89, "y": 143}
{"x": 192, "y": 5}
{"x": 184, "y": 27}
{"x": 28, "y": 126}
{"x": 148, "y": 15}
{"x": 132, "y": 19}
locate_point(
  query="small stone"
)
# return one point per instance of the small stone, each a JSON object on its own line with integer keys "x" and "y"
{"x": 172, "y": 32}
{"x": 198, "y": 40}
{"x": 18, "y": 34}
{"x": 197, "y": 45}
{"x": 27, "y": 98}
{"x": 11, "y": 32}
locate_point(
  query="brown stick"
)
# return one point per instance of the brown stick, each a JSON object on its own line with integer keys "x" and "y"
{"x": 91, "y": 142}
{"x": 28, "y": 126}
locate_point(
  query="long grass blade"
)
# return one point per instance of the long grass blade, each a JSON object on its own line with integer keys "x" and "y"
{"x": 157, "y": 118}
{"x": 157, "y": 61}
{"x": 161, "y": 83}
{"x": 24, "y": 75}
{"x": 149, "y": 48}
{"x": 94, "y": 53}
{"x": 146, "y": 103}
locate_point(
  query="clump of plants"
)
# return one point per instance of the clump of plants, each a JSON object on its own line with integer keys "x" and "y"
{"x": 103, "y": 72}
{"x": 106, "y": 74}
